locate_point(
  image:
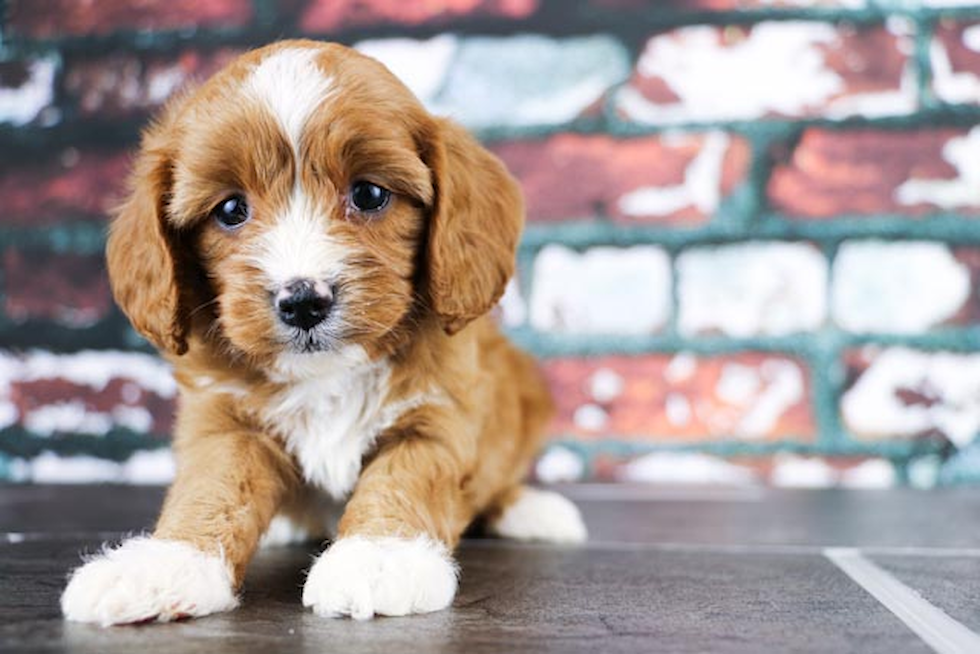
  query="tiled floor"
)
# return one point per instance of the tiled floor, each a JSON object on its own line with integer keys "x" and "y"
{"x": 677, "y": 570}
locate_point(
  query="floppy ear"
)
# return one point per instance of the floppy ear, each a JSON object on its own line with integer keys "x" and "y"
{"x": 142, "y": 250}
{"x": 474, "y": 228}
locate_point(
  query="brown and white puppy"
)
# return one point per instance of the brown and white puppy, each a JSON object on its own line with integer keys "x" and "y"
{"x": 316, "y": 255}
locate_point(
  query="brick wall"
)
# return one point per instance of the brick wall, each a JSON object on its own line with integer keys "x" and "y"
{"x": 753, "y": 247}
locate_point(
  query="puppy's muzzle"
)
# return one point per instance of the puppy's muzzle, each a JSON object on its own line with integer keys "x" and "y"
{"x": 304, "y": 303}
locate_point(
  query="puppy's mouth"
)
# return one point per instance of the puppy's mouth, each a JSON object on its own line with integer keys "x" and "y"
{"x": 308, "y": 341}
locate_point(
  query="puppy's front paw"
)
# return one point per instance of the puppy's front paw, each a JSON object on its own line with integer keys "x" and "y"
{"x": 363, "y": 577}
{"x": 148, "y": 579}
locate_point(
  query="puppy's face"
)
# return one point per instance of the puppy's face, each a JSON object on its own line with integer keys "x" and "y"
{"x": 304, "y": 201}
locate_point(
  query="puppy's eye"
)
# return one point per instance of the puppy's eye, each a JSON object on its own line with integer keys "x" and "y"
{"x": 369, "y": 198}
{"x": 231, "y": 212}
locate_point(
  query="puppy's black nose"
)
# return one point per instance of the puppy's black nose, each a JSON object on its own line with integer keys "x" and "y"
{"x": 303, "y": 304}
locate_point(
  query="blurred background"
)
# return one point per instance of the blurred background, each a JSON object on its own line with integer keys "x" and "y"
{"x": 753, "y": 242}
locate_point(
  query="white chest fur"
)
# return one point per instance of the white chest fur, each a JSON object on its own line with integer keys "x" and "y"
{"x": 330, "y": 420}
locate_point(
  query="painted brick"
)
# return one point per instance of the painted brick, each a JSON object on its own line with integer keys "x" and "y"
{"x": 903, "y": 287}
{"x": 332, "y": 15}
{"x": 831, "y": 173}
{"x": 68, "y": 289}
{"x": 124, "y": 85}
{"x": 27, "y": 91}
{"x": 682, "y": 398}
{"x": 903, "y": 393}
{"x": 728, "y": 5}
{"x": 751, "y": 289}
{"x": 529, "y": 80}
{"x": 53, "y": 18}
{"x": 792, "y": 68}
{"x": 85, "y": 393}
{"x": 667, "y": 178}
{"x": 513, "y": 81}
{"x": 954, "y": 54}
{"x": 61, "y": 185}
{"x": 601, "y": 291}
{"x": 783, "y": 470}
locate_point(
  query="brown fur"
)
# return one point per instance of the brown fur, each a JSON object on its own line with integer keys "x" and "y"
{"x": 423, "y": 277}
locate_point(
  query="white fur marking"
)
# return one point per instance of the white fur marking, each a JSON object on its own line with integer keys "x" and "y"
{"x": 364, "y": 577}
{"x": 298, "y": 246}
{"x": 541, "y": 515}
{"x": 332, "y": 410}
{"x": 291, "y": 86}
{"x": 148, "y": 579}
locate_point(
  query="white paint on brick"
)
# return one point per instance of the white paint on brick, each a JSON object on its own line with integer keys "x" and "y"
{"x": 149, "y": 467}
{"x": 604, "y": 290}
{"x": 590, "y": 417}
{"x": 677, "y": 409}
{"x": 763, "y": 394}
{"x": 898, "y": 287}
{"x": 792, "y": 471}
{"x": 685, "y": 468}
{"x": 873, "y": 408}
{"x": 681, "y": 368}
{"x": 24, "y": 103}
{"x": 971, "y": 37}
{"x": 700, "y": 189}
{"x": 606, "y": 385}
{"x": 89, "y": 368}
{"x": 751, "y": 289}
{"x": 528, "y": 80}
{"x": 513, "y": 311}
{"x": 780, "y": 67}
{"x": 559, "y": 464}
{"x": 92, "y": 369}
{"x": 952, "y": 86}
{"x": 873, "y": 474}
{"x": 963, "y": 191}
{"x": 420, "y": 65}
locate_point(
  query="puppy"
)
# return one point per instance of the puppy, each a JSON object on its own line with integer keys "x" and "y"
{"x": 315, "y": 254}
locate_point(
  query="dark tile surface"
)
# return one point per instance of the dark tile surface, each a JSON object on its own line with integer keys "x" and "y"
{"x": 667, "y": 571}
{"x": 952, "y": 583}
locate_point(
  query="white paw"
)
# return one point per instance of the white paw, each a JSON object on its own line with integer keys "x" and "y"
{"x": 363, "y": 577}
{"x": 543, "y": 516}
{"x": 148, "y": 579}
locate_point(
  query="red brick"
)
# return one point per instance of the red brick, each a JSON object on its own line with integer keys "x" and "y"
{"x": 681, "y": 399}
{"x": 121, "y": 85}
{"x": 60, "y": 186}
{"x": 703, "y": 73}
{"x": 331, "y": 15}
{"x": 573, "y": 177}
{"x": 87, "y": 392}
{"x": 717, "y": 5}
{"x": 830, "y": 173}
{"x": 52, "y": 18}
{"x": 955, "y": 59}
{"x": 69, "y": 289}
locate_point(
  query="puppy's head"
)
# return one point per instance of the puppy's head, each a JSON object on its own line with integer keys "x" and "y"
{"x": 301, "y": 201}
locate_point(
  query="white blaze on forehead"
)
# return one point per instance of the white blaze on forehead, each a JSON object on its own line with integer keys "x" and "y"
{"x": 298, "y": 245}
{"x": 291, "y": 86}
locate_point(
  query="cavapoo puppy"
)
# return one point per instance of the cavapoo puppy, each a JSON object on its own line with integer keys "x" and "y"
{"x": 316, "y": 255}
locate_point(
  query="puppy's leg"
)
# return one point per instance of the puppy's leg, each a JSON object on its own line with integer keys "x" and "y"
{"x": 532, "y": 514}
{"x": 393, "y": 555}
{"x": 228, "y": 487}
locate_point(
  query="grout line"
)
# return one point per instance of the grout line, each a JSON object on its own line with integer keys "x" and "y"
{"x": 939, "y": 631}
